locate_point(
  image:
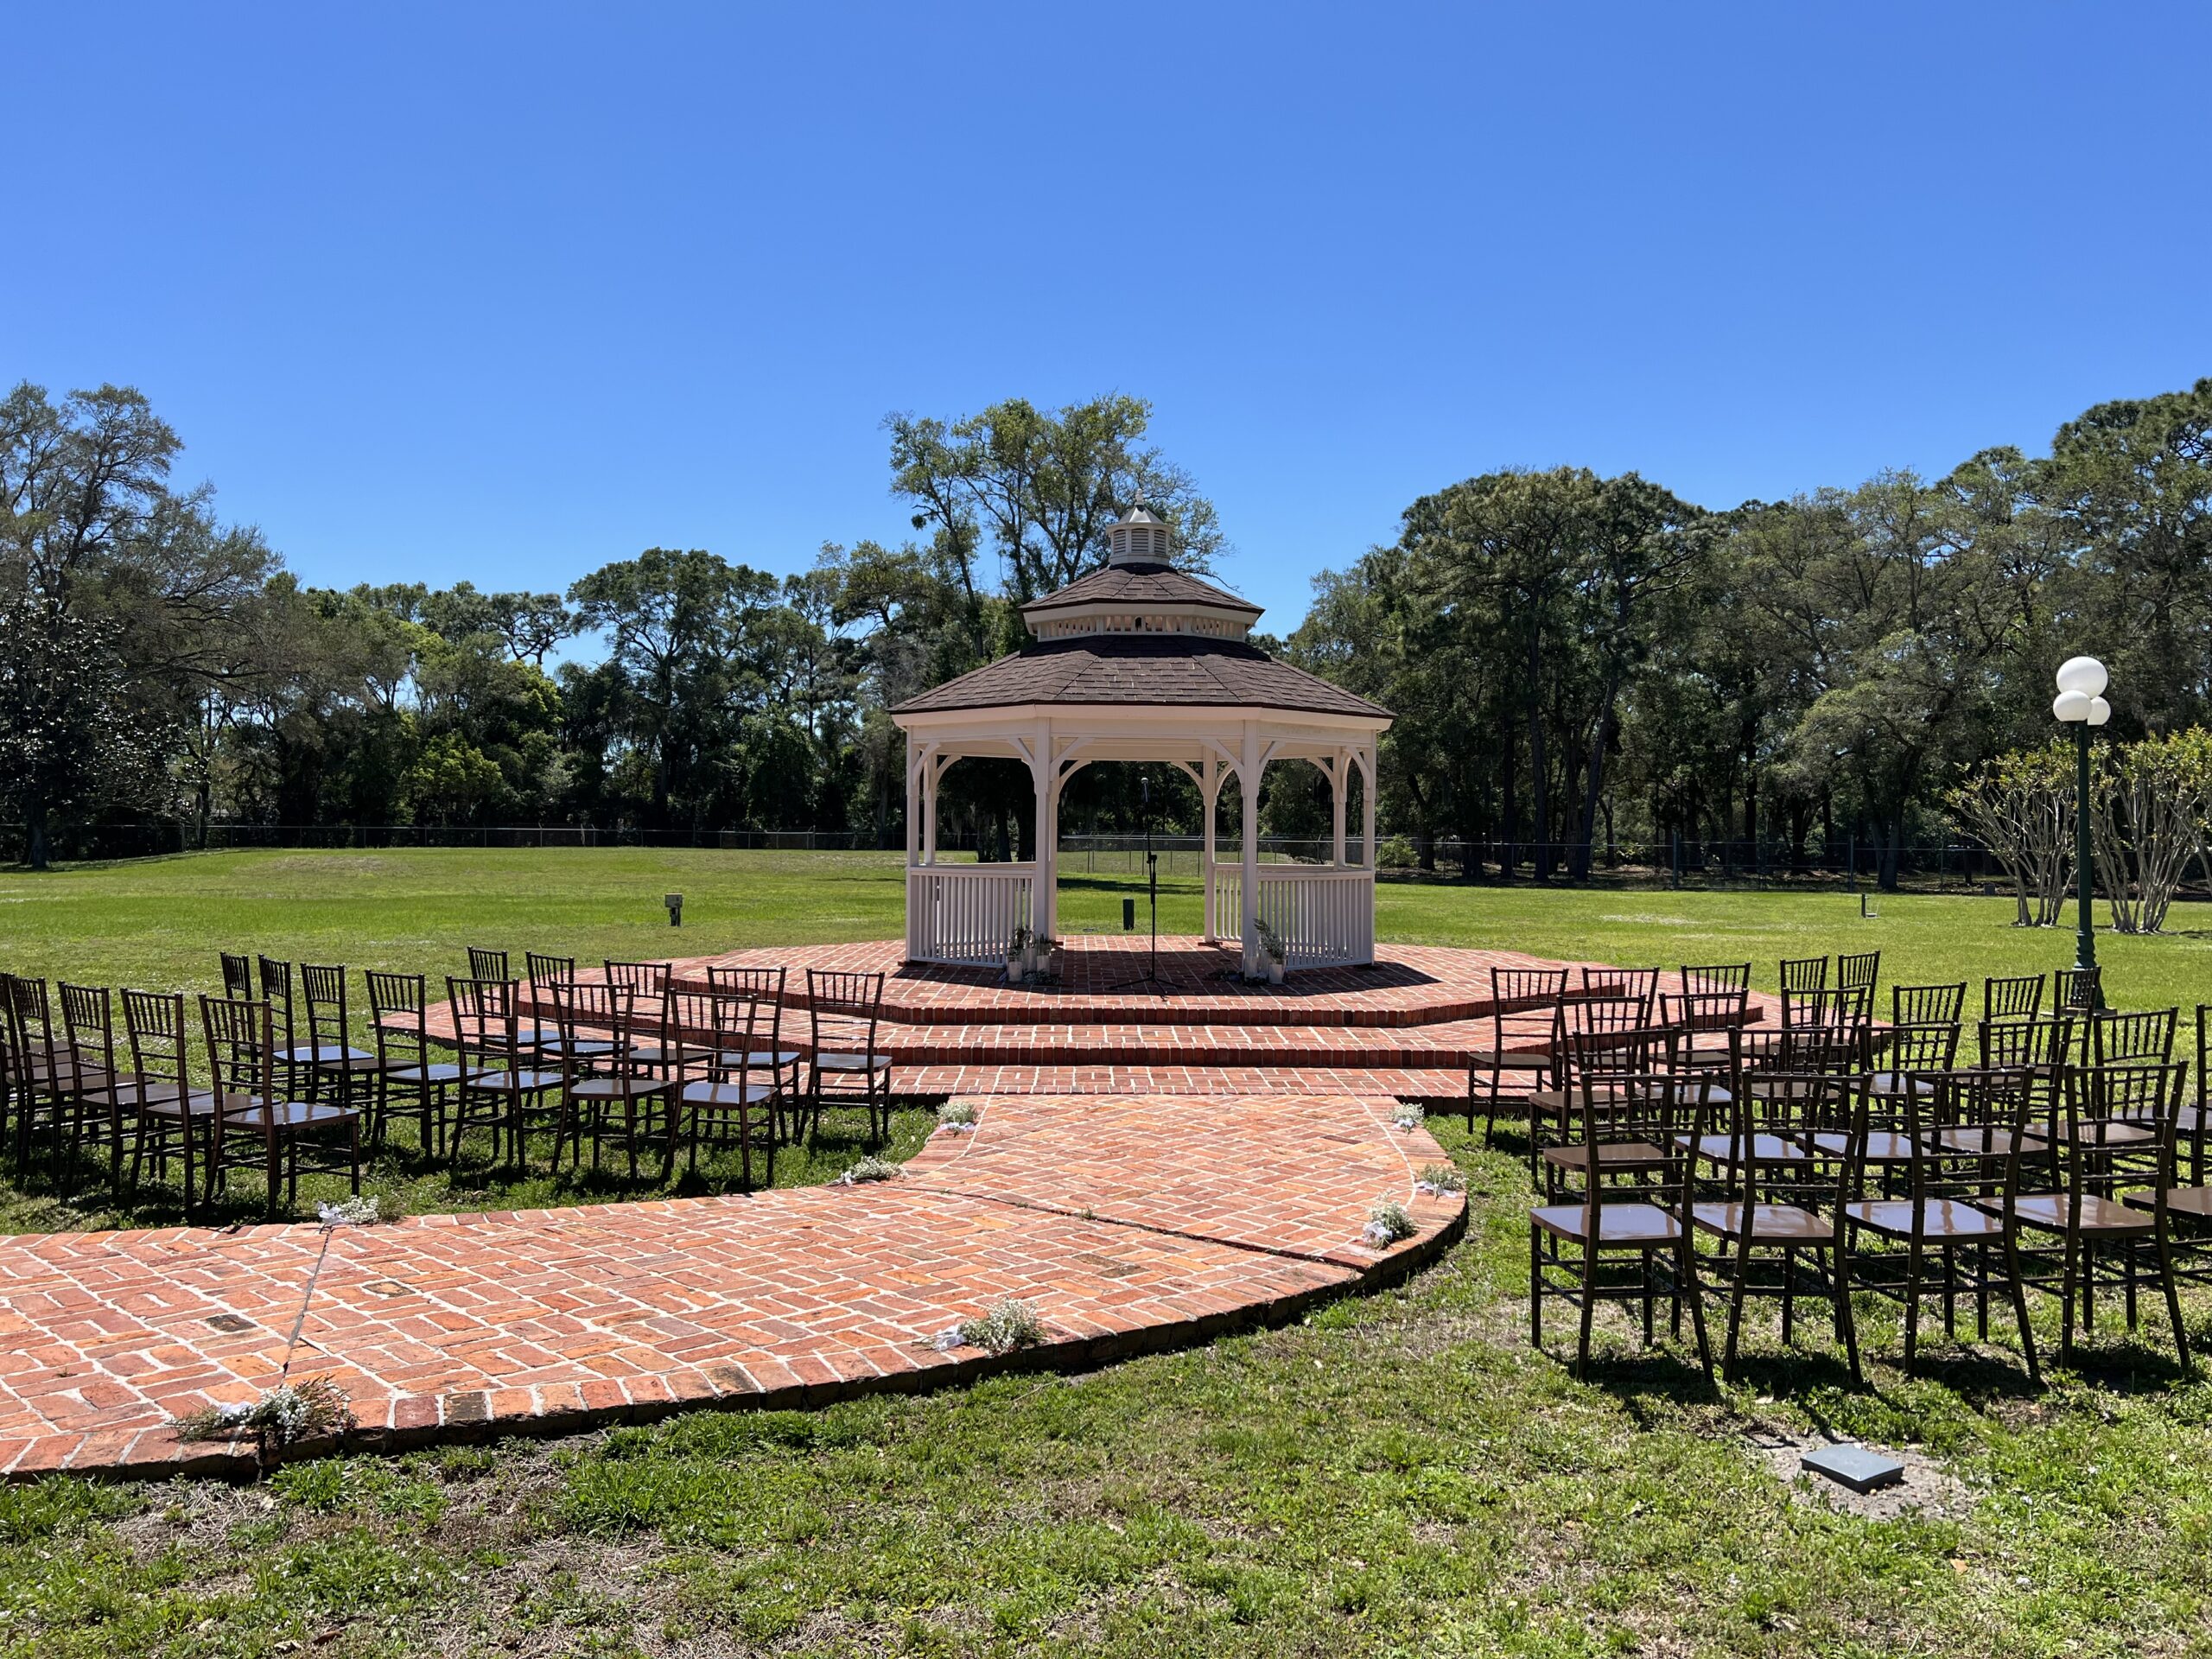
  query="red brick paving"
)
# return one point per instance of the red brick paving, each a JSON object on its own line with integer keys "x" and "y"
{"x": 1130, "y": 1223}
{"x": 1150, "y": 1170}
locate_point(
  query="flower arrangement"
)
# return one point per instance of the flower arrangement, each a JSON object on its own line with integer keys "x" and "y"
{"x": 1388, "y": 1222}
{"x": 1438, "y": 1179}
{"x": 282, "y": 1416}
{"x": 1010, "y": 1325}
{"x": 959, "y": 1116}
{"x": 352, "y": 1213}
{"x": 870, "y": 1168}
{"x": 1408, "y": 1117}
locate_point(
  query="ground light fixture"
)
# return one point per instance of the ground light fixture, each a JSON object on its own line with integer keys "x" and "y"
{"x": 2080, "y": 703}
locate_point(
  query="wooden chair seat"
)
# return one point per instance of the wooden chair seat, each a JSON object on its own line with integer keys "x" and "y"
{"x": 1883, "y": 1146}
{"x": 707, "y": 1093}
{"x": 2051, "y": 1212}
{"x": 1764, "y": 1149}
{"x": 1895, "y": 1086}
{"x": 513, "y": 1082}
{"x": 2102, "y": 1133}
{"x": 1771, "y": 1223}
{"x": 2191, "y": 1203}
{"x": 1614, "y": 1157}
{"x": 256, "y": 1117}
{"x": 618, "y": 1088}
{"x": 852, "y": 1062}
{"x": 327, "y": 1056}
{"x": 1628, "y": 1226}
{"x": 1988, "y": 1143}
{"x": 1485, "y": 1059}
{"x": 441, "y": 1071}
{"x": 162, "y": 1100}
{"x": 1942, "y": 1218}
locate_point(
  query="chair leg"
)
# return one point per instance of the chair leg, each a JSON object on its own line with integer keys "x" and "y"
{"x": 1589, "y": 1307}
{"x": 2173, "y": 1306}
{"x": 1911, "y": 1304}
{"x": 1686, "y": 1270}
{"x": 1535, "y": 1288}
{"x": 2020, "y": 1311}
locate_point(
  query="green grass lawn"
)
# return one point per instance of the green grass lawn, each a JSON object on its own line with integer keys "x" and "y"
{"x": 1397, "y": 1474}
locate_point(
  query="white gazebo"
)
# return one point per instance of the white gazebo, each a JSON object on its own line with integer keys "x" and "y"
{"x": 1139, "y": 661}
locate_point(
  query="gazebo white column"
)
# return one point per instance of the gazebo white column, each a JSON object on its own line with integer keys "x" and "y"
{"x": 1210, "y": 777}
{"x": 1367, "y": 810}
{"x": 1339, "y": 780}
{"x": 1248, "y": 779}
{"x": 1044, "y": 767}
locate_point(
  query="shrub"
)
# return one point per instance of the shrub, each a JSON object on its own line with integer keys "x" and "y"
{"x": 1388, "y": 1222}
{"x": 870, "y": 1168}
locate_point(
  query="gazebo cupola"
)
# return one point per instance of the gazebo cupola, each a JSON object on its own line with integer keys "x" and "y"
{"x": 1138, "y": 660}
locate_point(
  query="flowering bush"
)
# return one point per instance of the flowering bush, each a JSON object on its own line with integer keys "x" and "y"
{"x": 869, "y": 1169}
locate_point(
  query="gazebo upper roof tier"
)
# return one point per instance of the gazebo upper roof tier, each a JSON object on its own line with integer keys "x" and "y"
{"x": 1179, "y": 670}
{"x": 1145, "y": 584}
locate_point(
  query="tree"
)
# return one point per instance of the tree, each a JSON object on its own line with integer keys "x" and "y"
{"x": 2020, "y": 806}
{"x": 2148, "y": 803}
{"x": 1044, "y": 485}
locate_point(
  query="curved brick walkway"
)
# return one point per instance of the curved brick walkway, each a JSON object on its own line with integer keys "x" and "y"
{"x": 1130, "y": 1222}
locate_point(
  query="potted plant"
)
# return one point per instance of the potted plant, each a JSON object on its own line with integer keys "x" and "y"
{"x": 1017, "y": 955}
{"x": 1049, "y": 955}
{"x": 1274, "y": 953}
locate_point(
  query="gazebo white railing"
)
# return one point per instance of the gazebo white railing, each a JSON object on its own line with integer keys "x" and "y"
{"x": 1324, "y": 915}
{"x": 967, "y": 913}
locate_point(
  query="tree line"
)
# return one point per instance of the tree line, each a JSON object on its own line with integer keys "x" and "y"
{"x": 1575, "y": 661}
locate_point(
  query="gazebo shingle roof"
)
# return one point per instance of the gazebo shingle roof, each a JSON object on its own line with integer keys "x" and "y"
{"x": 1152, "y": 584}
{"x": 1174, "y": 669}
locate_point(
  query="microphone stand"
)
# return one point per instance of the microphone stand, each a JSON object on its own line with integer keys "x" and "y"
{"x": 1151, "y": 974}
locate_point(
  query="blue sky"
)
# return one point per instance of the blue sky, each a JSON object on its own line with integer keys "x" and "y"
{"x": 506, "y": 293}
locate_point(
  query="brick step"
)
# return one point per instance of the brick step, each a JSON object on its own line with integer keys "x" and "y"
{"x": 1404, "y": 1082}
{"x": 1444, "y": 1047}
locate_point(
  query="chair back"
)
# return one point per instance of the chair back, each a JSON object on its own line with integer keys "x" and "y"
{"x": 237, "y": 976}
{"x": 1641, "y": 983}
{"x": 1718, "y": 976}
{"x": 1859, "y": 971}
{"x": 323, "y": 991}
{"x": 1916, "y": 1051}
{"x": 484, "y": 1018}
{"x": 545, "y": 971}
{"x": 38, "y": 1042}
{"x": 1961, "y": 1142}
{"x": 1524, "y": 991}
{"x": 1927, "y": 1005}
{"x": 594, "y": 1011}
{"x": 399, "y": 1014}
{"x": 241, "y": 1053}
{"x": 1692, "y": 1015}
{"x": 487, "y": 965}
{"x": 1659, "y": 1109}
{"x": 88, "y": 1020}
{"x": 647, "y": 982}
{"x": 2016, "y": 997}
{"x": 1804, "y": 973}
{"x": 2077, "y": 991}
{"x": 1610, "y": 1036}
{"x": 843, "y": 1010}
{"x": 277, "y": 991}
{"x": 764, "y": 986}
{"x": 711, "y": 1033}
{"x": 153, "y": 1023}
{"x": 2119, "y": 1133}
{"x": 2117, "y": 1039}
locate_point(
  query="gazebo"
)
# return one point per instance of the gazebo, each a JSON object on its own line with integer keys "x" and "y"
{"x": 1140, "y": 661}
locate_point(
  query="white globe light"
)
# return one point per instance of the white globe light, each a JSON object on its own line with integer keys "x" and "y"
{"x": 2099, "y": 711}
{"x": 2072, "y": 707}
{"x": 2082, "y": 674}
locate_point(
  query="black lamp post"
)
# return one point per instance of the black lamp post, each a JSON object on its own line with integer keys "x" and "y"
{"x": 2080, "y": 703}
